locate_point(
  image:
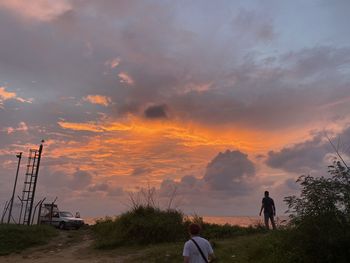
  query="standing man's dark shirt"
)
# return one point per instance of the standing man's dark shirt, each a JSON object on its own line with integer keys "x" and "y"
{"x": 269, "y": 205}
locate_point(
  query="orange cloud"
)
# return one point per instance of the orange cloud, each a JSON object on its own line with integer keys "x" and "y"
{"x": 94, "y": 127}
{"x": 6, "y": 95}
{"x": 164, "y": 149}
{"x": 98, "y": 99}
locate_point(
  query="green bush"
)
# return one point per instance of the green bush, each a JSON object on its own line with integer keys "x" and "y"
{"x": 14, "y": 238}
{"x": 142, "y": 225}
{"x": 320, "y": 220}
{"x": 319, "y": 239}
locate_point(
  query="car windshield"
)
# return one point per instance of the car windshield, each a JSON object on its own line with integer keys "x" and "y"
{"x": 65, "y": 214}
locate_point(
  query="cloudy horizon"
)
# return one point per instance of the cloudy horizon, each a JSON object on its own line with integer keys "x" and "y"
{"x": 218, "y": 101}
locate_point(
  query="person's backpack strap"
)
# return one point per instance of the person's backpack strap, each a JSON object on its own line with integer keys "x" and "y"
{"x": 200, "y": 251}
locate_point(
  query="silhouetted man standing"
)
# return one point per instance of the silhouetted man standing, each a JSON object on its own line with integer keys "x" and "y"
{"x": 269, "y": 210}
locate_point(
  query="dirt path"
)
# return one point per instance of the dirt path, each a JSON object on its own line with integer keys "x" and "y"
{"x": 68, "y": 247}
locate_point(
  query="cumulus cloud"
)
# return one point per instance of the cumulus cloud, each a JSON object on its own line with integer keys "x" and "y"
{"x": 229, "y": 174}
{"x": 78, "y": 180}
{"x": 301, "y": 157}
{"x": 308, "y": 156}
{"x": 229, "y": 171}
{"x": 187, "y": 186}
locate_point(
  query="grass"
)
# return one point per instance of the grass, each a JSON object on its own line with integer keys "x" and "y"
{"x": 147, "y": 225}
{"x": 153, "y": 235}
{"x": 15, "y": 238}
{"x": 259, "y": 248}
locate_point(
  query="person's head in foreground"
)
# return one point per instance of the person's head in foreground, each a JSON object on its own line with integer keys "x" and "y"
{"x": 194, "y": 229}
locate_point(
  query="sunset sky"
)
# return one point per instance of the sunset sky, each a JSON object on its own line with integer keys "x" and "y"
{"x": 220, "y": 100}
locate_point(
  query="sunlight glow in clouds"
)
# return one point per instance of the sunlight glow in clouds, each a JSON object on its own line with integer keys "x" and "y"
{"x": 98, "y": 99}
{"x": 221, "y": 99}
{"x": 7, "y": 95}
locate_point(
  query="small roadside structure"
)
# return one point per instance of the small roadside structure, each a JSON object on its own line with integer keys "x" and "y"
{"x": 51, "y": 215}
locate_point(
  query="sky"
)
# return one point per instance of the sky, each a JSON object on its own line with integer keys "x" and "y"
{"x": 206, "y": 104}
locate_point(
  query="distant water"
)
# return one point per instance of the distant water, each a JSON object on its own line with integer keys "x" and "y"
{"x": 243, "y": 221}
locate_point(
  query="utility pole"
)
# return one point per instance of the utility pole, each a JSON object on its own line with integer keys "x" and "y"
{"x": 19, "y": 156}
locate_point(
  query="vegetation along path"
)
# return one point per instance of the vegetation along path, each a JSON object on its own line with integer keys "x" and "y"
{"x": 68, "y": 246}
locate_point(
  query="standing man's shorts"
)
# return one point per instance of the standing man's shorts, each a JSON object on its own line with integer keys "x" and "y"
{"x": 268, "y": 216}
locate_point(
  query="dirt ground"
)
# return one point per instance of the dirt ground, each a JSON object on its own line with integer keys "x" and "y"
{"x": 69, "y": 246}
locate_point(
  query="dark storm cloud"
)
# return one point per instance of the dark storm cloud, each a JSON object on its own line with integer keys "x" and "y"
{"x": 156, "y": 112}
{"x": 310, "y": 155}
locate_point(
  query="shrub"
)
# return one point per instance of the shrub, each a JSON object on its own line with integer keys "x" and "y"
{"x": 142, "y": 225}
{"x": 320, "y": 218}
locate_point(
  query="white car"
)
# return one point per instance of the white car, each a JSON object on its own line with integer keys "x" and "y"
{"x": 63, "y": 220}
